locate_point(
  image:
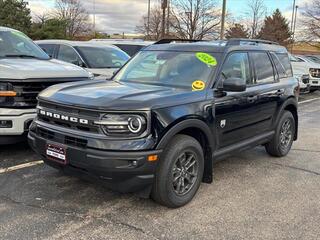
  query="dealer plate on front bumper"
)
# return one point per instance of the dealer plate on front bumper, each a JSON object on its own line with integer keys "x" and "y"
{"x": 56, "y": 153}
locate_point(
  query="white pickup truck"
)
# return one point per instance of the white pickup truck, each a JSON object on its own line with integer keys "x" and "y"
{"x": 25, "y": 70}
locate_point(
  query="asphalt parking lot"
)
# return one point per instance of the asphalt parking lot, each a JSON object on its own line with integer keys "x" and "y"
{"x": 253, "y": 196}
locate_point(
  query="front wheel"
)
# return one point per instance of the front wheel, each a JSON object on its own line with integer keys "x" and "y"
{"x": 282, "y": 141}
{"x": 179, "y": 173}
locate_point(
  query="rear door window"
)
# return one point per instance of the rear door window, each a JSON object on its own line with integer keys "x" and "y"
{"x": 284, "y": 59}
{"x": 280, "y": 68}
{"x": 263, "y": 67}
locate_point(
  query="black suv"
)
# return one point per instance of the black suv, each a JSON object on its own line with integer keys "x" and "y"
{"x": 168, "y": 114}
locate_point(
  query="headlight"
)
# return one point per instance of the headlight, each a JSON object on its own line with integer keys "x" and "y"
{"x": 123, "y": 124}
{"x": 303, "y": 78}
{"x": 6, "y": 91}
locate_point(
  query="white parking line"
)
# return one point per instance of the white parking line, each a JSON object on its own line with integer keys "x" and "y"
{"x": 309, "y": 100}
{"x": 21, "y": 166}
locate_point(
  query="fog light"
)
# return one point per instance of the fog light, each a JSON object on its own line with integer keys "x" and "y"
{"x": 5, "y": 124}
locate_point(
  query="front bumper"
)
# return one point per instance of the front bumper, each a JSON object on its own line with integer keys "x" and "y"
{"x": 123, "y": 171}
{"x": 21, "y": 119}
{"x": 315, "y": 83}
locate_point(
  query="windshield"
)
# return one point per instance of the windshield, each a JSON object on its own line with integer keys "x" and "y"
{"x": 189, "y": 70}
{"x": 97, "y": 57}
{"x": 16, "y": 44}
{"x": 313, "y": 59}
{"x": 294, "y": 59}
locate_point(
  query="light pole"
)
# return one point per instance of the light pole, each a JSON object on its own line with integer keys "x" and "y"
{"x": 223, "y": 16}
{"x": 292, "y": 18}
{"x": 164, "y": 5}
{"x": 148, "y": 24}
{"x": 94, "y": 18}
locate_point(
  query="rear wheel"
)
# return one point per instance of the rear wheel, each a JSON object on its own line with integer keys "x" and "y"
{"x": 282, "y": 141}
{"x": 179, "y": 173}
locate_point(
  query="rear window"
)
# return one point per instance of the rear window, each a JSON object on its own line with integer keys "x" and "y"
{"x": 129, "y": 49}
{"x": 284, "y": 59}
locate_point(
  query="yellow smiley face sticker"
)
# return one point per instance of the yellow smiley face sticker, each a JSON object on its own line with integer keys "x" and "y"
{"x": 207, "y": 58}
{"x": 198, "y": 85}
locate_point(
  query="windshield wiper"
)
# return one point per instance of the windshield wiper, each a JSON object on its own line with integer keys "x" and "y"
{"x": 20, "y": 56}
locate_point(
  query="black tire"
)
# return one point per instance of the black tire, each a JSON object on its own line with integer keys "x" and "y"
{"x": 281, "y": 144}
{"x": 165, "y": 190}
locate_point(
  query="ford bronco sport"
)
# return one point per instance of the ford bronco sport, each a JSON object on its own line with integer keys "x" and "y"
{"x": 25, "y": 70}
{"x": 168, "y": 114}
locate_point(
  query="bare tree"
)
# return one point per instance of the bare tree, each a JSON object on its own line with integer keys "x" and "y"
{"x": 154, "y": 27}
{"x": 311, "y": 20}
{"x": 256, "y": 11}
{"x": 195, "y": 19}
{"x": 75, "y": 16}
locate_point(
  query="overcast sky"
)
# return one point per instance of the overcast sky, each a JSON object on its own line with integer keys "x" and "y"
{"x": 117, "y": 16}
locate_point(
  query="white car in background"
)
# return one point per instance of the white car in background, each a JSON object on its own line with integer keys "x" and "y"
{"x": 99, "y": 59}
{"x": 131, "y": 47}
{"x": 308, "y": 58}
{"x": 26, "y": 70}
{"x": 302, "y": 69}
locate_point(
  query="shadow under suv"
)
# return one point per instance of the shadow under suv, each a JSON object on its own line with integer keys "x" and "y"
{"x": 169, "y": 114}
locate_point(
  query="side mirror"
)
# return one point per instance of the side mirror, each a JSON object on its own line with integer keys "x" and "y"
{"x": 234, "y": 85}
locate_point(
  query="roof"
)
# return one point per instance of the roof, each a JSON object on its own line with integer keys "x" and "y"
{"x": 6, "y": 29}
{"x": 76, "y": 43}
{"x": 137, "y": 42}
{"x": 218, "y": 46}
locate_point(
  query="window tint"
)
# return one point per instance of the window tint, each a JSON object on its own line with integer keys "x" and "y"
{"x": 48, "y": 48}
{"x": 284, "y": 59}
{"x": 68, "y": 54}
{"x": 280, "y": 68}
{"x": 263, "y": 67}
{"x": 237, "y": 66}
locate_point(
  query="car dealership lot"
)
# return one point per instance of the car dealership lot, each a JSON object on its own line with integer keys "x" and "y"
{"x": 253, "y": 196}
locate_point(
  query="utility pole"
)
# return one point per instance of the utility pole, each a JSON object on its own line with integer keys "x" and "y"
{"x": 164, "y": 5}
{"x": 223, "y": 17}
{"x": 294, "y": 26}
{"x": 94, "y": 18}
{"x": 292, "y": 18}
{"x": 148, "y": 30}
{"x": 168, "y": 17}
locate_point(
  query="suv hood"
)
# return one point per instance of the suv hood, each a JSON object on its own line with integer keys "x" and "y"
{"x": 111, "y": 95}
{"x": 303, "y": 67}
{"x": 25, "y": 68}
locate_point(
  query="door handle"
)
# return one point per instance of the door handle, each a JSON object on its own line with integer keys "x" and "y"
{"x": 252, "y": 99}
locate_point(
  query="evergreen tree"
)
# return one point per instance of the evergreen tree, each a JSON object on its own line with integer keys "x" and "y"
{"x": 15, "y": 14}
{"x": 237, "y": 31}
{"x": 276, "y": 28}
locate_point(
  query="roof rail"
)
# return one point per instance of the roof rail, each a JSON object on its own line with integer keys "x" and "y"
{"x": 246, "y": 41}
{"x": 167, "y": 40}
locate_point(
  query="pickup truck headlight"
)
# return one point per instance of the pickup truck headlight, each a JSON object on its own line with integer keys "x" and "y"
{"x": 123, "y": 124}
{"x": 6, "y": 91}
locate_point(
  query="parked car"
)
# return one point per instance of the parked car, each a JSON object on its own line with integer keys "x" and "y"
{"x": 169, "y": 114}
{"x": 99, "y": 59}
{"x": 131, "y": 47}
{"x": 25, "y": 70}
{"x": 301, "y": 67}
{"x": 308, "y": 58}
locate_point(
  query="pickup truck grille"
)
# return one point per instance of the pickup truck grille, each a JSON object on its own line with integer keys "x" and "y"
{"x": 28, "y": 90}
{"x": 315, "y": 72}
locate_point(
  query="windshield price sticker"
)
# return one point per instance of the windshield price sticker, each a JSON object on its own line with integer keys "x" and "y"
{"x": 207, "y": 58}
{"x": 198, "y": 85}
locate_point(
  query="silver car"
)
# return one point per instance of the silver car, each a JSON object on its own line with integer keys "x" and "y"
{"x": 101, "y": 60}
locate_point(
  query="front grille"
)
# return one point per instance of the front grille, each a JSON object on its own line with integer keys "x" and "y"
{"x": 315, "y": 72}
{"x": 28, "y": 90}
{"x": 91, "y": 116}
{"x": 71, "y": 141}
